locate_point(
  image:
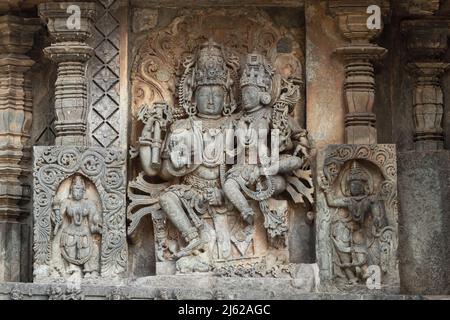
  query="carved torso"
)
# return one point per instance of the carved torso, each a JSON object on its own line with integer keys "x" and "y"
{"x": 76, "y": 238}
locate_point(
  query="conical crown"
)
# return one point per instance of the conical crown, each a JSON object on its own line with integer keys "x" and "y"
{"x": 211, "y": 68}
{"x": 257, "y": 72}
{"x": 78, "y": 182}
{"x": 357, "y": 173}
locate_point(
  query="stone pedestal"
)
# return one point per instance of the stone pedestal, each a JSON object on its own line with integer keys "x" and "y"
{"x": 425, "y": 222}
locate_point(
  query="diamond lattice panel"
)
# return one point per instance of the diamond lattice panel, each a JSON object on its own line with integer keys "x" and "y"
{"x": 104, "y": 117}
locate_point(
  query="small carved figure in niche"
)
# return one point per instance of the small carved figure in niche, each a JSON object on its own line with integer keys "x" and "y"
{"x": 80, "y": 219}
{"x": 266, "y": 99}
{"x": 192, "y": 153}
{"x": 354, "y": 228}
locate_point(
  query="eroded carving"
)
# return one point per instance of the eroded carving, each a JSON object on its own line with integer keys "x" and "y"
{"x": 77, "y": 220}
{"x": 79, "y": 224}
{"x": 359, "y": 183}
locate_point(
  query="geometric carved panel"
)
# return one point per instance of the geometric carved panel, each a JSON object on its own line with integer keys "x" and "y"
{"x": 104, "y": 117}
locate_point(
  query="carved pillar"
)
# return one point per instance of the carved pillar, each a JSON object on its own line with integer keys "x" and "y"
{"x": 424, "y": 172}
{"x": 16, "y": 39}
{"x": 71, "y": 52}
{"x": 359, "y": 55}
{"x": 427, "y": 44}
{"x": 72, "y": 175}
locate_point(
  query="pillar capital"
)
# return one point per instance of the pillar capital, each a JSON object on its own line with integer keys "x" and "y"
{"x": 352, "y": 17}
{"x": 57, "y": 16}
{"x": 17, "y": 34}
{"x": 427, "y": 38}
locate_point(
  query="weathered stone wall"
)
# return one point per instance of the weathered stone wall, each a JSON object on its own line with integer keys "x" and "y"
{"x": 359, "y": 87}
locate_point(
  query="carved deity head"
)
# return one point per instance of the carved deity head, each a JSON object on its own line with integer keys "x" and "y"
{"x": 77, "y": 188}
{"x": 256, "y": 81}
{"x": 206, "y": 86}
{"x": 357, "y": 181}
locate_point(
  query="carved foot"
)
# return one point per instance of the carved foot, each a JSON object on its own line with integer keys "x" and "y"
{"x": 91, "y": 275}
{"x": 190, "y": 248}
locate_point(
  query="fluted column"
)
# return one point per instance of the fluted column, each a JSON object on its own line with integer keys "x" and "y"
{"x": 427, "y": 41}
{"x": 71, "y": 52}
{"x": 16, "y": 39}
{"x": 359, "y": 55}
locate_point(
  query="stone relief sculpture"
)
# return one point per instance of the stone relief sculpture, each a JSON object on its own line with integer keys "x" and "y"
{"x": 196, "y": 156}
{"x": 76, "y": 221}
{"x": 206, "y": 95}
{"x": 260, "y": 87}
{"x": 79, "y": 230}
{"x": 360, "y": 225}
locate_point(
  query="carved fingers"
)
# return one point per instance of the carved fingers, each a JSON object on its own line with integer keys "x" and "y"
{"x": 324, "y": 184}
{"x": 214, "y": 196}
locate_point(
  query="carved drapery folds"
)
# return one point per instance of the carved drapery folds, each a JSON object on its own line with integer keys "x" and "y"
{"x": 16, "y": 39}
{"x": 359, "y": 55}
{"x": 78, "y": 212}
{"x": 357, "y": 223}
{"x": 70, "y": 51}
{"x": 427, "y": 42}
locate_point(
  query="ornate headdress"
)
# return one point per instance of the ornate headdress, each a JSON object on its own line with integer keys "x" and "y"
{"x": 257, "y": 73}
{"x": 78, "y": 181}
{"x": 211, "y": 66}
{"x": 357, "y": 173}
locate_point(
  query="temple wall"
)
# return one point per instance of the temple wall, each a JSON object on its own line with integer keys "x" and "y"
{"x": 81, "y": 107}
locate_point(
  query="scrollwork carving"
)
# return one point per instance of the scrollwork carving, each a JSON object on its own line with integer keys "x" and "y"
{"x": 105, "y": 170}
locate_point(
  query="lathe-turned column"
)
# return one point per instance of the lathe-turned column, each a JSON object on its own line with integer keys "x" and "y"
{"x": 16, "y": 39}
{"x": 359, "y": 55}
{"x": 427, "y": 43}
{"x": 70, "y": 25}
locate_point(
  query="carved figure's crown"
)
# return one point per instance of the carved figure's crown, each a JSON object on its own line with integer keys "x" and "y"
{"x": 78, "y": 182}
{"x": 211, "y": 67}
{"x": 257, "y": 72}
{"x": 357, "y": 173}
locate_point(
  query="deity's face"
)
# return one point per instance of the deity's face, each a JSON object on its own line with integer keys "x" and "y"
{"x": 78, "y": 192}
{"x": 210, "y": 100}
{"x": 250, "y": 97}
{"x": 357, "y": 188}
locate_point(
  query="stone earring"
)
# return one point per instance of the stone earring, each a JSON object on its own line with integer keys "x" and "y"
{"x": 265, "y": 98}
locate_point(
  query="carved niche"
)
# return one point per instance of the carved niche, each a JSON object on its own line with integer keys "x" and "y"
{"x": 170, "y": 67}
{"x": 357, "y": 223}
{"x": 79, "y": 223}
